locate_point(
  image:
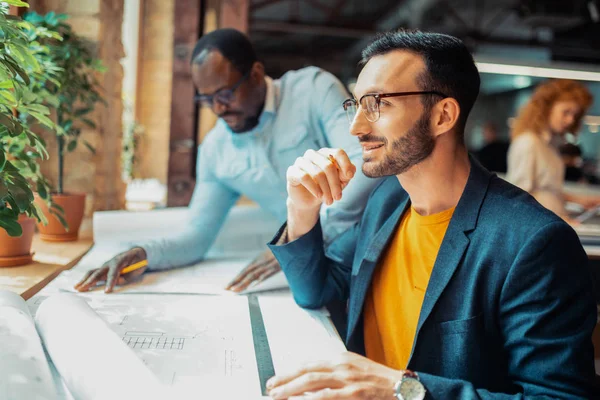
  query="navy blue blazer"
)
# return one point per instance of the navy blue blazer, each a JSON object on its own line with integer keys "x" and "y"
{"x": 509, "y": 310}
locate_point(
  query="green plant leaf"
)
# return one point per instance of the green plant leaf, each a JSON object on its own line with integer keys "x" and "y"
{"x": 89, "y": 123}
{"x": 39, "y": 215}
{"x": 17, "y": 3}
{"x": 2, "y": 163}
{"x": 72, "y": 145}
{"x": 89, "y": 147}
{"x": 21, "y": 194}
{"x": 12, "y": 227}
{"x": 8, "y": 96}
{"x": 41, "y": 189}
{"x": 44, "y": 120}
{"x": 3, "y": 190}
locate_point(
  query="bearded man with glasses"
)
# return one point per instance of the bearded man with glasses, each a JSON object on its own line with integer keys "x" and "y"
{"x": 264, "y": 125}
{"x": 459, "y": 285}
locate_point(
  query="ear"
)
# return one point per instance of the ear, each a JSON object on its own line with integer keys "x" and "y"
{"x": 445, "y": 115}
{"x": 258, "y": 72}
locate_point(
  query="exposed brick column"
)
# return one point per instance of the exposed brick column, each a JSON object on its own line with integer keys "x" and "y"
{"x": 109, "y": 190}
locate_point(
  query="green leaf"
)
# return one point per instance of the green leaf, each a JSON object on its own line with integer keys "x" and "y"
{"x": 8, "y": 96}
{"x": 17, "y": 3}
{"x": 72, "y": 145}
{"x": 89, "y": 123}
{"x": 44, "y": 120}
{"x": 41, "y": 189}
{"x": 12, "y": 227}
{"x": 89, "y": 147}
{"x": 22, "y": 195}
{"x": 39, "y": 215}
{"x": 3, "y": 190}
{"x": 38, "y": 108}
{"x": 2, "y": 163}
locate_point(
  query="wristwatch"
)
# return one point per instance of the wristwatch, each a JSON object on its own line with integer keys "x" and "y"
{"x": 409, "y": 387}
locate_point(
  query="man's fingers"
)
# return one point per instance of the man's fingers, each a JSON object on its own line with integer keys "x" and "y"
{"x": 247, "y": 280}
{"x": 85, "y": 278}
{"x": 296, "y": 176}
{"x": 316, "y": 174}
{"x": 279, "y": 380}
{"x": 244, "y": 273}
{"x": 331, "y": 172}
{"x": 347, "y": 169}
{"x": 96, "y": 276}
{"x": 272, "y": 270}
{"x": 114, "y": 272}
{"x": 310, "y": 382}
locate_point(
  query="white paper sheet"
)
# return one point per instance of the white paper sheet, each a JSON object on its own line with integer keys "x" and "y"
{"x": 207, "y": 277}
{"x": 92, "y": 360}
{"x": 298, "y": 336}
{"x": 24, "y": 370}
{"x": 194, "y": 344}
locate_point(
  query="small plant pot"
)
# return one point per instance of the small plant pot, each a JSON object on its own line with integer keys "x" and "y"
{"x": 15, "y": 251}
{"x": 74, "y": 206}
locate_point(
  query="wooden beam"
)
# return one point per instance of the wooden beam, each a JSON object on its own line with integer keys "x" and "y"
{"x": 234, "y": 14}
{"x": 319, "y": 30}
{"x": 182, "y": 141}
{"x": 262, "y": 4}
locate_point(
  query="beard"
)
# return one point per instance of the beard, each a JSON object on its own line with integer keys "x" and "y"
{"x": 247, "y": 125}
{"x": 406, "y": 151}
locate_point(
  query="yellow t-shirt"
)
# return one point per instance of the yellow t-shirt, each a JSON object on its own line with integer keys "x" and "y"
{"x": 395, "y": 298}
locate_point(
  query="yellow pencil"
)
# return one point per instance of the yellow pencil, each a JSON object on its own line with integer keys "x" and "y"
{"x": 333, "y": 161}
{"x": 134, "y": 267}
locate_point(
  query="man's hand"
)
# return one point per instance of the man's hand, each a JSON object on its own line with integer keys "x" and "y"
{"x": 111, "y": 271}
{"x": 315, "y": 179}
{"x": 353, "y": 377}
{"x": 263, "y": 267}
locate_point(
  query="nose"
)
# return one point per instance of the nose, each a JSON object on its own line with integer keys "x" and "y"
{"x": 218, "y": 108}
{"x": 360, "y": 125}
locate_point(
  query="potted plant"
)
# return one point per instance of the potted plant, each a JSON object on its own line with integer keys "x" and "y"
{"x": 20, "y": 148}
{"x": 77, "y": 91}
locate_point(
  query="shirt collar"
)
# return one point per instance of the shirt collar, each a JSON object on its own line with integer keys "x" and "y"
{"x": 270, "y": 98}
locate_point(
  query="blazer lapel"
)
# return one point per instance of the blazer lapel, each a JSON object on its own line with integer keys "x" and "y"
{"x": 362, "y": 276}
{"x": 455, "y": 241}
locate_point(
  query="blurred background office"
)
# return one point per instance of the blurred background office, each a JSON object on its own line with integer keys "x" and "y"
{"x": 146, "y": 46}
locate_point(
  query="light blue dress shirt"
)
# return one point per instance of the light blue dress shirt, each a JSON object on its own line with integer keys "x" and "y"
{"x": 303, "y": 110}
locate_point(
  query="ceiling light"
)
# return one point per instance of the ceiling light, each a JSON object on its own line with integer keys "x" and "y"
{"x": 542, "y": 72}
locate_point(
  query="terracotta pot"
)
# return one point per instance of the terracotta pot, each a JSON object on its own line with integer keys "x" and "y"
{"x": 15, "y": 251}
{"x": 74, "y": 206}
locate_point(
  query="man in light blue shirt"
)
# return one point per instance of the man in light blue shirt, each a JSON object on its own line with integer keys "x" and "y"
{"x": 264, "y": 126}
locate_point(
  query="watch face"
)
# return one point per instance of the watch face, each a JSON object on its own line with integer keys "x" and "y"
{"x": 412, "y": 389}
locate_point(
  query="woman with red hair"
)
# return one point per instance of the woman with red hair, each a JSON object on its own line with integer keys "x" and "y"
{"x": 557, "y": 107}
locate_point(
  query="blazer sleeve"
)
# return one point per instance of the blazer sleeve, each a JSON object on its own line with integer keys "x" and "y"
{"x": 314, "y": 279}
{"x": 547, "y": 313}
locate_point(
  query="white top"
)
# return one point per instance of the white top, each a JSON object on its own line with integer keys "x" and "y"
{"x": 534, "y": 165}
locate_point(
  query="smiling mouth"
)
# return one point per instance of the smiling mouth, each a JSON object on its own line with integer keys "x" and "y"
{"x": 370, "y": 146}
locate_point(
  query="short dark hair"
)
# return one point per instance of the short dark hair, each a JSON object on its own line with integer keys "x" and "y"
{"x": 450, "y": 66}
{"x": 233, "y": 44}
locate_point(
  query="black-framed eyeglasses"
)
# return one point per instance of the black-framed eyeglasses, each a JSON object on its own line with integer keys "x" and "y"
{"x": 369, "y": 103}
{"x": 223, "y": 96}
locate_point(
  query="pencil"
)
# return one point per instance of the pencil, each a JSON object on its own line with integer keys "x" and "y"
{"x": 134, "y": 267}
{"x": 332, "y": 159}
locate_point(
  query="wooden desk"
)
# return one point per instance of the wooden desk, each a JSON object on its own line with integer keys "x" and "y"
{"x": 49, "y": 260}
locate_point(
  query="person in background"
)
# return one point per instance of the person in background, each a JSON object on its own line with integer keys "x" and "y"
{"x": 534, "y": 163}
{"x": 264, "y": 125}
{"x": 459, "y": 285}
{"x": 571, "y": 157}
{"x": 493, "y": 154}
